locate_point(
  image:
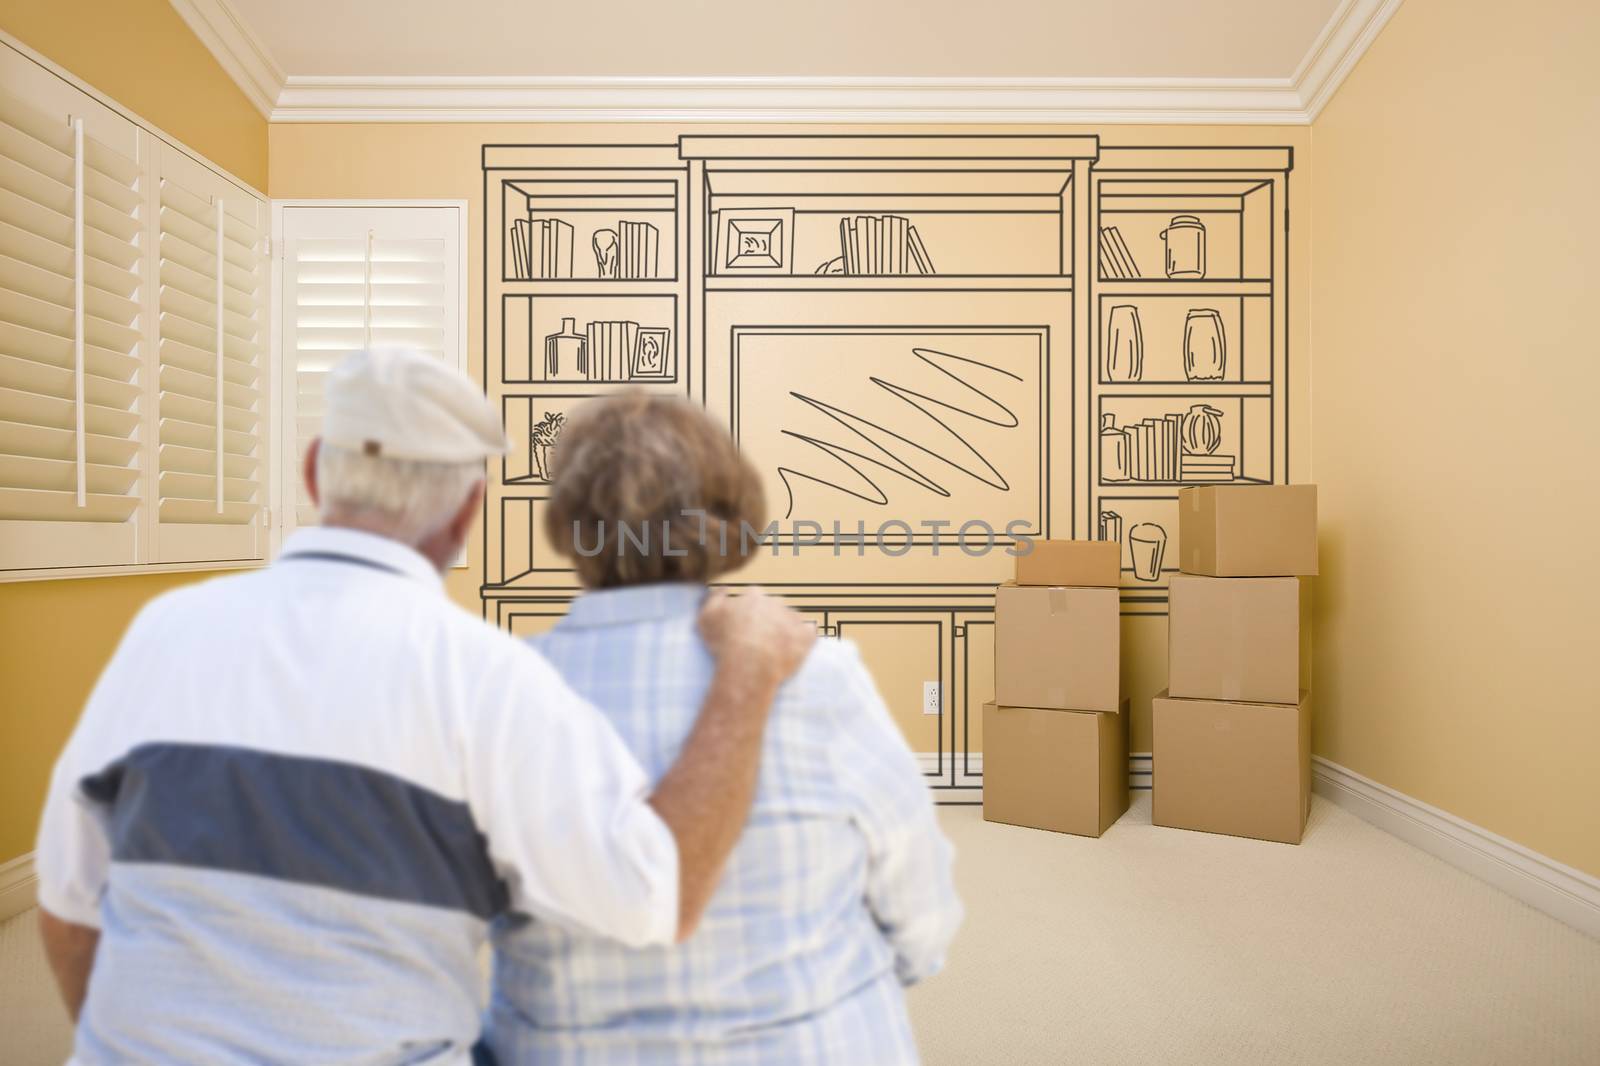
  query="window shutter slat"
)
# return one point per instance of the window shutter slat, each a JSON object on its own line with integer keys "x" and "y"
{"x": 204, "y": 436}
{"x": 40, "y": 505}
{"x": 183, "y": 460}
{"x": 61, "y": 475}
{"x": 43, "y": 442}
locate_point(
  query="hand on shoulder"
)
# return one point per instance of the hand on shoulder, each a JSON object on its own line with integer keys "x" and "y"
{"x": 755, "y": 631}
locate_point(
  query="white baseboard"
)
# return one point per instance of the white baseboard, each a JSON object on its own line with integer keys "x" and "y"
{"x": 17, "y": 886}
{"x": 1566, "y": 894}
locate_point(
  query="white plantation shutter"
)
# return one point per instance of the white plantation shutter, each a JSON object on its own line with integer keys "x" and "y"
{"x": 356, "y": 277}
{"x": 212, "y": 353}
{"x": 73, "y": 299}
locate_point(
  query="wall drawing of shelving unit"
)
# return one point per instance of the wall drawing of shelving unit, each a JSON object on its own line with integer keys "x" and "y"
{"x": 1187, "y": 379}
{"x": 892, "y": 327}
{"x": 585, "y": 292}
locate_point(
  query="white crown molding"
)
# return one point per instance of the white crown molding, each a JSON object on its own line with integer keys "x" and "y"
{"x": 1566, "y": 894}
{"x": 756, "y": 99}
{"x": 1350, "y": 31}
{"x": 1294, "y": 100}
{"x": 237, "y": 48}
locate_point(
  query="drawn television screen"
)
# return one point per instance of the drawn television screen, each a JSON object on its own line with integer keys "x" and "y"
{"x": 888, "y": 424}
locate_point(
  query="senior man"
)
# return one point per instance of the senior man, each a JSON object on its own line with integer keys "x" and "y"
{"x": 297, "y": 796}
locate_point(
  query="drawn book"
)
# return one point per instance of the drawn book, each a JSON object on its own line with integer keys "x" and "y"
{"x": 1129, "y": 266}
{"x": 918, "y": 251}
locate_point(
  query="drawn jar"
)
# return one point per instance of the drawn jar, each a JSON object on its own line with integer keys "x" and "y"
{"x": 1202, "y": 429}
{"x": 1205, "y": 349}
{"x": 1186, "y": 247}
{"x": 1124, "y": 345}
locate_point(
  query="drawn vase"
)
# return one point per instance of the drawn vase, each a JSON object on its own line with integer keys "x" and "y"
{"x": 1124, "y": 345}
{"x": 604, "y": 243}
{"x": 541, "y": 461}
{"x": 1202, "y": 429}
{"x": 1185, "y": 237}
{"x": 566, "y": 354}
{"x": 1113, "y": 450}
{"x": 1205, "y": 349}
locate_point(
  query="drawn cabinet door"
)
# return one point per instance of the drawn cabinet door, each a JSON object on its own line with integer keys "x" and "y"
{"x": 974, "y": 686}
{"x": 906, "y": 652}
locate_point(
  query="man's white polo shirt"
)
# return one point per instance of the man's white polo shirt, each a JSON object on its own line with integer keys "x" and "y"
{"x": 296, "y": 798}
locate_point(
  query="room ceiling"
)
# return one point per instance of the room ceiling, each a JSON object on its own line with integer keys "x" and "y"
{"x": 827, "y": 60}
{"x": 849, "y": 38}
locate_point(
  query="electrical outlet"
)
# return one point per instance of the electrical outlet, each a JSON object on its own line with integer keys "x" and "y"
{"x": 930, "y": 697}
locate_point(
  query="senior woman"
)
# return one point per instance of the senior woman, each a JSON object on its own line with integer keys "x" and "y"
{"x": 839, "y": 891}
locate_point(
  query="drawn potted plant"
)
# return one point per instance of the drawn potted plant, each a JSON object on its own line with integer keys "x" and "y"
{"x": 545, "y": 435}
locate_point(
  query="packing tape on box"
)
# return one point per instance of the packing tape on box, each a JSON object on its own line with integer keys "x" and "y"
{"x": 1058, "y": 601}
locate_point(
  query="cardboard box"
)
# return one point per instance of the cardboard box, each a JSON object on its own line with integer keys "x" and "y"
{"x": 1234, "y": 638}
{"x": 1091, "y": 563}
{"x": 1065, "y": 771}
{"x": 1248, "y": 530}
{"x": 1238, "y": 768}
{"x": 1057, "y": 647}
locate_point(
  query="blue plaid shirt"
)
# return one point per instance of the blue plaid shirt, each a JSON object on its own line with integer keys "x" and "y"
{"x": 838, "y": 893}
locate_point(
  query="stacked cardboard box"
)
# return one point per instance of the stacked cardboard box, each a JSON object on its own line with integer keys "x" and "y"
{"x": 1232, "y": 733}
{"x": 1055, "y": 738}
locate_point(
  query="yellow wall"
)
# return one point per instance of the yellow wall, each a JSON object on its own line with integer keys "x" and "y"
{"x": 141, "y": 54}
{"x": 56, "y": 635}
{"x": 1454, "y": 432}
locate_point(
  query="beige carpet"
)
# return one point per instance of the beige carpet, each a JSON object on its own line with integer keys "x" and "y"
{"x": 1155, "y": 946}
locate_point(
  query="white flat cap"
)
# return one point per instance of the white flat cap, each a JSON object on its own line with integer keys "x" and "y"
{"x": 401, "y": 403}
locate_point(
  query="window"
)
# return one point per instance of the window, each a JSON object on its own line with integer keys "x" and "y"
{"x": 133, "y": 430}
{"x": 355, "y": 276}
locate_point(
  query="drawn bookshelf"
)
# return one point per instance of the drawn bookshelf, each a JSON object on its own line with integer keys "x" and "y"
{"x": 585, "y": 292}
{"x": 892, "y": 327}
{"x": 1187, "y": 372}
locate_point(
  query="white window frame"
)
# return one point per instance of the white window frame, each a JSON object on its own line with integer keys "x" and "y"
{"x": 285, "y": 464}
{"x": 126, "y": 569}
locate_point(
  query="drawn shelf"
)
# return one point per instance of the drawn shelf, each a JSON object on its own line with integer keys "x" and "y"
{"x": 1197, "y": 390}
{"x": 579, "y": 286}
{"x": 1184, "y": 287}
{"x": 891, "y": 283}
{"x": 591, "y": 338}
{"x": 886, "y": 207}
{"x": 1185, "y": 229}
{"x": 596, "y": 230}
{"x": 1205, "y": 341}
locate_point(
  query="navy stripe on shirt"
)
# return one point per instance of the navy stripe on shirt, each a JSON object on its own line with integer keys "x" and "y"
{"x": 306, "y": 820}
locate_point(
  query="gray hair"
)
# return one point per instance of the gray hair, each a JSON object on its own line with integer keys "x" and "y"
{"x": 406, "y": 499}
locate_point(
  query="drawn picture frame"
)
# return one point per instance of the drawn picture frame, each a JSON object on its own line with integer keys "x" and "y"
{"x": 651, "y": 358}
{"x": 755, "y": 240}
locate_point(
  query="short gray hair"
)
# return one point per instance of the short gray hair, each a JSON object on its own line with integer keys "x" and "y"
{"x": 409, "y": 500}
